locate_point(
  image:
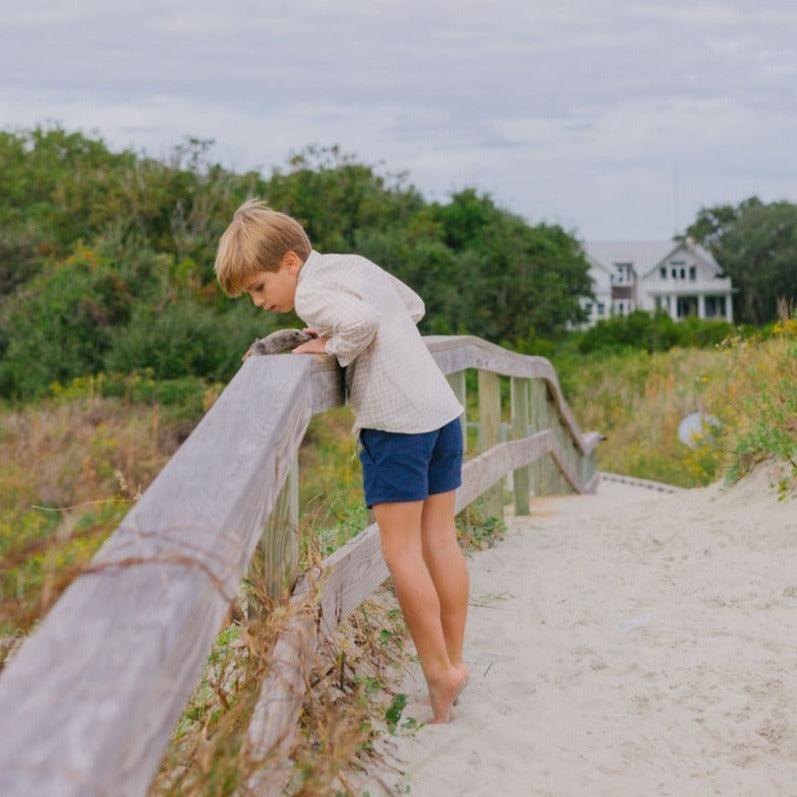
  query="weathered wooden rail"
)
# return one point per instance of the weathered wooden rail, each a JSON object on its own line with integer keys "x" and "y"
{"x": 89, "y": 701}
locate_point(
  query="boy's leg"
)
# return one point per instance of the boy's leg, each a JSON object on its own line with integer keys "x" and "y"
{"x": 447, "y": 567}
{"x": 400, "y": 537}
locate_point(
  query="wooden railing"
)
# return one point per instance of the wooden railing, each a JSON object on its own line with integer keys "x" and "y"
{"x": 89, "y": 701}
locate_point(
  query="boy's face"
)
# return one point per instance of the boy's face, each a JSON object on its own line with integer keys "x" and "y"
{"x": 275, "y": 290}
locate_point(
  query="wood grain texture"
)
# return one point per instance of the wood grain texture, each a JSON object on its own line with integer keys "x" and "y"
{"x": 490, "y": 434}
{"x": 519, "y": 395}
{"x": 536, "y": 391}
{"x": 457, "y": 382}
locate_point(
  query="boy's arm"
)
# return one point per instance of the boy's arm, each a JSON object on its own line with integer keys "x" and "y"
{"x": 411, "y": 300}
{"x": 338, "y": 314}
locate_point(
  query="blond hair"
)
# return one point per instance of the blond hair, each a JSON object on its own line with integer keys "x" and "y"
{"x": 256, "y": 240}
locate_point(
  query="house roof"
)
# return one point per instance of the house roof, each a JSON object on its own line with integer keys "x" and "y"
{"x": 644, "y": 255}
{"x": 705, "y": 255}
{"x": 599, "y": 264}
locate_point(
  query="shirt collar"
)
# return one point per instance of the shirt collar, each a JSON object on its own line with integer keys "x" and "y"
{"x": 312, "y": 259}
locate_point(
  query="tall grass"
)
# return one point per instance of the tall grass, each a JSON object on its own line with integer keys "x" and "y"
{"x": 637, "y": 399}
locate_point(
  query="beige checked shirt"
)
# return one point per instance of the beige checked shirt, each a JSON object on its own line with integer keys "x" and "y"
{"x": 369, "y": 316}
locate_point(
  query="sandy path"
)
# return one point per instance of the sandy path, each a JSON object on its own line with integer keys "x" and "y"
{"x": 628, "y": 642}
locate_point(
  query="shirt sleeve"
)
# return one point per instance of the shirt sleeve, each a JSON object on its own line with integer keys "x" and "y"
{"x": 340, "y": 315}
{"x": 412, "y": 301}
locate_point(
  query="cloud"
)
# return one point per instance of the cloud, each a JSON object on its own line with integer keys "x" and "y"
{"x": 573, "y": 112}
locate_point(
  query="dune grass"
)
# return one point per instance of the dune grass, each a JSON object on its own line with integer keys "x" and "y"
{"x": 637, "y": 399}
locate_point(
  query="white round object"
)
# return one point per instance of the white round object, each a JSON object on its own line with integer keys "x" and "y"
{"x": 694, "y": 426}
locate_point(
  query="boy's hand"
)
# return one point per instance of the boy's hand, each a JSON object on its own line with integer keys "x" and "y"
{"x": 314, "y": 346}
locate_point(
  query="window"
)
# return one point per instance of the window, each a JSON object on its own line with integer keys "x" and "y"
{"x": 623, "y": 271}
{"x": 588, "y": 307}
{"x": 683, "y": 273}
{"x": 663, "y": 273}
{"x": 715, "y": 306}
{"x": 600, "y": 308}
{"x": 692, "y": 273}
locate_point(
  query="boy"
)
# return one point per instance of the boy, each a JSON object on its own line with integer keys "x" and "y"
{"x": 407, "y": 417}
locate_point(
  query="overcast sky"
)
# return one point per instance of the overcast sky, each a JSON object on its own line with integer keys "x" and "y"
{"x": 589, "y": 114}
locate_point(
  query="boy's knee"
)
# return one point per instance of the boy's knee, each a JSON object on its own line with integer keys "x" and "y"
{"x": 439, "y": 538}
{"x": 399, "y": 553}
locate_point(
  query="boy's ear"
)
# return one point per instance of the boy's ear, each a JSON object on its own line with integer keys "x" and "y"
{"x": 292, "y": 259}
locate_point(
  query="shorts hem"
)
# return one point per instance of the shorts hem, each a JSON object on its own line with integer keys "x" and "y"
{"x": 439, "y": 490}
{"x": 392, "y": 499}
{"x": 369, "y": 502}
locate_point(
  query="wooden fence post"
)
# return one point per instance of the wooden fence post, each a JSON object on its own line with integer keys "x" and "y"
{"x": 520, "y": 428}
{"x": 279, "y": 545}
{"x": 490, "y": 434}
{"x": 558, "y": 484}
{"x": 538, "y": 422}
{"x": 568, "y": 449}
{"x": 457, "y": 381}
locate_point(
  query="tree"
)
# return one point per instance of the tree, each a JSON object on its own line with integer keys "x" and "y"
{"x": 756, "y": 246}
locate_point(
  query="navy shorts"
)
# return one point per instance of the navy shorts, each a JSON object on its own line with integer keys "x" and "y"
{"x": 402, "y": 466}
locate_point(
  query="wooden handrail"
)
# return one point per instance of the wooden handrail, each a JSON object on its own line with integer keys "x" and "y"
{"x": 457, "y": 352}
{"x": 89, "y": 701}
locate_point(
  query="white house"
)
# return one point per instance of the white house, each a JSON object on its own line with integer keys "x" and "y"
{"x": 680, "y": 277}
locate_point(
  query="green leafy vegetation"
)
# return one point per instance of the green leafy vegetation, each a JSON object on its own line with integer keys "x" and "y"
{"x": 106, "y": 258}
{"x": 756, "y": 245}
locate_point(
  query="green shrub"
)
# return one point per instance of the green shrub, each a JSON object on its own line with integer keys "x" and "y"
{"x": 181, "y": 339}
{"x": 184, "y": 339}
{"x": 651, "y": 332}
{"x": 58, "y": 325}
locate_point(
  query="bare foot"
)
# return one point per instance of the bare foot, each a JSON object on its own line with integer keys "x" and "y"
{"x": 460, "y": 666}
{"x": 443, "y": 693}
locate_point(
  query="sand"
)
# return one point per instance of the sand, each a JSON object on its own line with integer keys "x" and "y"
{"x": 630, "y": 642}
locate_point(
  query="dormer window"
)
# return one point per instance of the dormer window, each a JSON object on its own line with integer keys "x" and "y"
{"x": 623, "y": 271}
{"x": 663, "y": 273}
